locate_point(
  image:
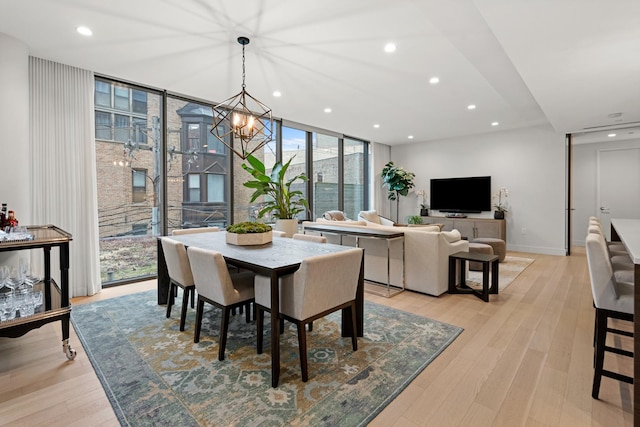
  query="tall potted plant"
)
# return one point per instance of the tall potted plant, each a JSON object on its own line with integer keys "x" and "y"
{"x": 398, "y": 182}
{"x": 280, "y": 201}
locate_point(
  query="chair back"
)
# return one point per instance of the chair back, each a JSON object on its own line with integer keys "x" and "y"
{"x": 181, "y": 231}
{"x": 321, "y": 283}
{"x": 309, "y": 238}
{"x": 211, "y": 276}
{"x": 177, "y": 261}
{"x": 276, "y": 233}
{"x": 604, "y": 287}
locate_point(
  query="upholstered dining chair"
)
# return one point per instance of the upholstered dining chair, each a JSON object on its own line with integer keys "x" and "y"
{"x": 218, "y": 287}
{"x": 612, "y": 299}
{"x": 180, "y": 275}
{"x": 323, "y": 284}
{"x": 182, "y": 231}
{"x": 309, "y": 238}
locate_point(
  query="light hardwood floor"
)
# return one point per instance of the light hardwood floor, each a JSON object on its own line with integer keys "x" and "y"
{"x": 525, "y": 358}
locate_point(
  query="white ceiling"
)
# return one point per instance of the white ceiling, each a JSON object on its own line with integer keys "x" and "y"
{"x": 522, "y": 62}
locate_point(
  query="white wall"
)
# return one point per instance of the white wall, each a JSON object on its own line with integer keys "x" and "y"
{"x": 529, "y": 162}
{"x": 585, "y": 184}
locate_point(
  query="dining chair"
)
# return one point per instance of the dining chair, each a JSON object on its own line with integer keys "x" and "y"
{"x": 180, "y": 275}
{"x": 323, "y": 284}
{"x": 612, "y": 299}
{"x": 183, "y": 231}
{"x": 220, "y": 288}
{"x": 309, "y": 238}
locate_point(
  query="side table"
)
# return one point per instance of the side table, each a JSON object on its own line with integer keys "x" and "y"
{"x": 489, "y": 264}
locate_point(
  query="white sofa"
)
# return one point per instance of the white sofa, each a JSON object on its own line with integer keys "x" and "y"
{"x": 426, "y": 259}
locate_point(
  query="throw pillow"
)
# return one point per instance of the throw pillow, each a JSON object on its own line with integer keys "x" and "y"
{"x": 371, "y": 216}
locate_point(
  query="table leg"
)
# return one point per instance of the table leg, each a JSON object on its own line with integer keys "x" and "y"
{"x": 163, "y": 276}
{"x": 275, "y": 330}
{"x": 346, "y": 319}
{"x": 485, "y": 281}
{"x": 494, "y": 277}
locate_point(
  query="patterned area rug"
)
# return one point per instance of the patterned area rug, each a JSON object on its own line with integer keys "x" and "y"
{"x": 508, "y": 270}
{"x": 155, "y": 375}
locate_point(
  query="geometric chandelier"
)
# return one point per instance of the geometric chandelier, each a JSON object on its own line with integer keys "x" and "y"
{"x": 242, "y": 118}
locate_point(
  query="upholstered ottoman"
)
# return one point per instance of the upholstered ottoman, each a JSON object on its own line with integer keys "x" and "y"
{"x": 478, "y": 248}
{"x": 498, "y": 245}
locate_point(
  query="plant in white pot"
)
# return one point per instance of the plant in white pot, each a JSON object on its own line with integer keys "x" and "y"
{"x": 279, "y": 200}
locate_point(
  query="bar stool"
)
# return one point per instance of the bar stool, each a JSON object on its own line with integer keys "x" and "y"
{"x": 612, "y": 300}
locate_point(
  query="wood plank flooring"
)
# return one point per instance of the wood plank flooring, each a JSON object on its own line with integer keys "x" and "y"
{"x": 524, "y": 359}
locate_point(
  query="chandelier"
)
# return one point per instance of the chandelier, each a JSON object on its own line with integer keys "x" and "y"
{"x": 242, "y": 118}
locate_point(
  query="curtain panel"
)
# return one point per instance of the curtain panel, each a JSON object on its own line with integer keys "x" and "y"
{"x": 381, "y": 156}
{"x": 63, "y": 166}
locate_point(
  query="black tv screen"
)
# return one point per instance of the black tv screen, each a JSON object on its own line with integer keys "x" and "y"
{"x": 469, "y": 195}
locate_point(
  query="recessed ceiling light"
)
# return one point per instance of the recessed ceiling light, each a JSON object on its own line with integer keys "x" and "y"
{"x": 277, "y": 94}
{"x": 376, "y": 126}
{"x": 611, "y": 135}
{"x": 327, "y": 110}
{"x": 410, "y": 137}
{"x": 471, "y": 107}
{"x": 85, "y": 31}
{"x": 434, "y": 80}
{"x": 495, "y": 124}
{"x": 389, "y": 47}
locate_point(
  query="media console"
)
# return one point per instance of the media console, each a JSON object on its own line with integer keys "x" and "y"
{"x": 471, "y": 228}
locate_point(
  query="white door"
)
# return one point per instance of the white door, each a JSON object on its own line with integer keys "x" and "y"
{"x": 618, "y": 185}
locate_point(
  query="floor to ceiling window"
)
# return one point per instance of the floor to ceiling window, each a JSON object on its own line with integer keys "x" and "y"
{"x": 325, "y": 174}
{"x": 355, "y": 166}
{"x": 294, "y": 148}
{"x": 128, "y": 138}
{"x": 197, "y": 168}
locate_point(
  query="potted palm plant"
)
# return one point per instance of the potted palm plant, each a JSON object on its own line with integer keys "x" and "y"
{"x": 279, "y": 200}
{"x": 398, "y": 182}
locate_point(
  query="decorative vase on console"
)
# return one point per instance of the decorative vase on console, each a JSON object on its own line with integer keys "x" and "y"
{"x": 501, "y": 205}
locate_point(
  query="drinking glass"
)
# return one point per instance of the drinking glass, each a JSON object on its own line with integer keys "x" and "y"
{"x": 7, "y": 306}
{"x": 24, "y": 302}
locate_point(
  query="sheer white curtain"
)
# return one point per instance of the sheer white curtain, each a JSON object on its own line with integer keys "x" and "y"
{"x": 381, "y": 156}
{"x": 63, "y": 165}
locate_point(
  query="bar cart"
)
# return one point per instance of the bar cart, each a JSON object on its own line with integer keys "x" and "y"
{"x": 55, "y": 305}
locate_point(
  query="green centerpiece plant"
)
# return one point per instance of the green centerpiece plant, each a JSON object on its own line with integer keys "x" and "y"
{"x": 249, "y": 233}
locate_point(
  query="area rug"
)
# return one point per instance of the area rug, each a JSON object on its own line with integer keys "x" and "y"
{"x": 154, "y": 375}
{"x": 508, "y": 270}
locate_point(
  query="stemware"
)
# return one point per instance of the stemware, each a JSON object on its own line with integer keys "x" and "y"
{"x": 4, "y": 276}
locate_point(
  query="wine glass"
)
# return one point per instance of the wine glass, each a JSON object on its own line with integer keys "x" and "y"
{"x": 23, "y": 272}
{"x": 4, "y": 276}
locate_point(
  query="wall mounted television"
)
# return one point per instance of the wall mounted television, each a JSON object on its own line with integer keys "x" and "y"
{"x": 464, "y": 195}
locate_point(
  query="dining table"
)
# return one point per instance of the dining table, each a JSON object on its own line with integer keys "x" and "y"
{"x": 275, "y": 259}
